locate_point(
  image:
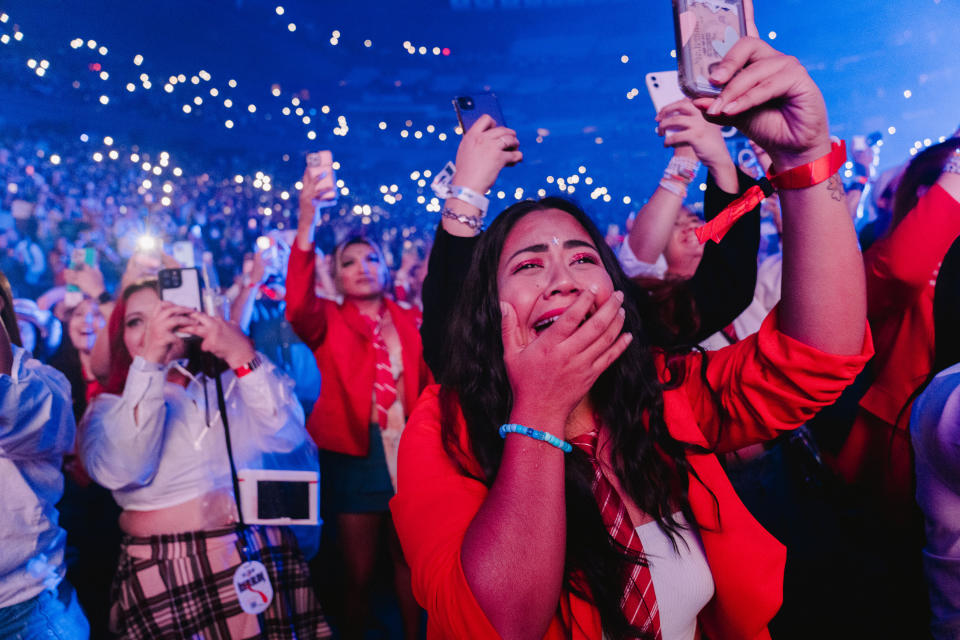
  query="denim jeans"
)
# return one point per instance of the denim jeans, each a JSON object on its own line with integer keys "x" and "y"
{"x": 48, "y": 616}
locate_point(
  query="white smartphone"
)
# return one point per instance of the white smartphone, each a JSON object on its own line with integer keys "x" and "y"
{"x": 664, "y": 88}
{"x": 181, "y": 287}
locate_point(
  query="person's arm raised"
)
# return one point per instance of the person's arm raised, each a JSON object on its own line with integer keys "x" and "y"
{"x": 483, "y": 152}
{"x": 682, "y": 124}
{"x": 771, "y": 98}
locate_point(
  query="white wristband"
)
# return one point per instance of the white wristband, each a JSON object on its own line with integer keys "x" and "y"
{"x": 471, "y": 197}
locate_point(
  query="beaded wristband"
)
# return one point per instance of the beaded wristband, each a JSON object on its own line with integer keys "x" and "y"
{"x": 549, "y": 438}
{"x": 675, "y": 187}
{"x": 474, "y": 222}
{"x": 683, "y": 168}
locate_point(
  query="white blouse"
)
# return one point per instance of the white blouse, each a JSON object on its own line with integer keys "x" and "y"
{"x": 160, "y": 444}
{"x": 682, "y": 579}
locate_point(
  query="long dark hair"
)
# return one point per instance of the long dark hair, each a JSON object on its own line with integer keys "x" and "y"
{"x": 946, "y": 319}
{"x": 923, "y": 171}
{"x": 8, "y": 314}
{"x": 628, "y": 398}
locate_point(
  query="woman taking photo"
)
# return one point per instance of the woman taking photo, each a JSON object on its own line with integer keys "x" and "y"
{"x": 157, "y": 440}
{"x": 636, "y": 532}
{"x": 371, "y": 363}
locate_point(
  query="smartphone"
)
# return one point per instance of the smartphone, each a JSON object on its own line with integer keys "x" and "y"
{"x": 181, "y": 287}
{"x": 320, "y": 168}
{"x": 664, "y": 88}
{"x": 470, "y": 108}
{"x": 705, "y": 31}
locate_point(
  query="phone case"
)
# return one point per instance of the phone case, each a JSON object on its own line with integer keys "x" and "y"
{"x": 664, "y": 88}
{"x": 181, "y": 287}
{"x": 320, "y": 166}
{"x": 470, "y": 108}
{"x": 705, "y": 31}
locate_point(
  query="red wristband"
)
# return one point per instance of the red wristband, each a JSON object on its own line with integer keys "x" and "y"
{"x": 807, "y": 175}
{"x": 250, "y": 367}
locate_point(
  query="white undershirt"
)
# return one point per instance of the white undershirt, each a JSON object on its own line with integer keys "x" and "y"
{"x": 682, "y": 581}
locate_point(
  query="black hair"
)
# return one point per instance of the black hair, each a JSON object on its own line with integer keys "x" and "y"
{"x": 650, "y": 464}
{"x": 946, "y": 319}
{"x": 923, "y": 171}
{"x": 7, "y": 313}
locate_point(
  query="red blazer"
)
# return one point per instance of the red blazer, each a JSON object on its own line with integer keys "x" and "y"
{"x": 342, "y": 344}
{"x": 901, "y": 273}
{"x": 767, "y": 383}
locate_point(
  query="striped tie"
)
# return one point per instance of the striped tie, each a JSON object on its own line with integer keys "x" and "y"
{"x": 639, "y": 602}
{"x": 384, "y": 386}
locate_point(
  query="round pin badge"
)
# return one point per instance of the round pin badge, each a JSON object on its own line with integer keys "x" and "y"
{"x": 252, "y": 584}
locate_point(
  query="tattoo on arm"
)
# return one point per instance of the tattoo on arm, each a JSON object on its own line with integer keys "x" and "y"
{"x": 835, "y": 187}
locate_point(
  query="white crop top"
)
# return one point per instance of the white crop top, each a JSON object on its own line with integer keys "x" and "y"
{"x": 168, "y": 454}
{"x": 682, "y": 581}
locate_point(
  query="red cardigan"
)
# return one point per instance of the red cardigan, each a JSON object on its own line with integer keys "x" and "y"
{"x": 767, "y": 382}
{"x": 901, "y": 273}
{"x": 342, "y": 344}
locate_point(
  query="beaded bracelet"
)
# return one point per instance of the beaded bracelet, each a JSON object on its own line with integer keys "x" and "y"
{"x": 549, "y": 438}
{"x": 674, "y": 186}
{"x": 474, "y": 222}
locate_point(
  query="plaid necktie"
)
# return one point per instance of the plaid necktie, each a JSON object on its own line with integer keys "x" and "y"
{"x": 384, "y": 386}
{"x": 639, "y": 602}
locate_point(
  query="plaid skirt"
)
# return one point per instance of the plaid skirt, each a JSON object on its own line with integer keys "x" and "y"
{"x": 181, "y": 586}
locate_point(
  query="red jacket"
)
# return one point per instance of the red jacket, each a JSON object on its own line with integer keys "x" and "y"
{"x": 767, "y": 383}
{"x": 901, "y": 274}
{"x": 342, "y": 344}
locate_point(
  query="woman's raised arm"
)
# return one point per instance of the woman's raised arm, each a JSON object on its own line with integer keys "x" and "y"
{"x": 771, "y": 98}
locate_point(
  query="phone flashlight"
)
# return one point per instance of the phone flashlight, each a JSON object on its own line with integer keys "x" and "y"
{"x": 146, "y": 243}
{"x": 264, "y": 243}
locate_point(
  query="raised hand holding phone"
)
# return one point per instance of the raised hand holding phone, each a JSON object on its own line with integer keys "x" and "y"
{"x": 684, "y": 128}
{"x": 770, "y": 97}
{"x": 484, "y": 151}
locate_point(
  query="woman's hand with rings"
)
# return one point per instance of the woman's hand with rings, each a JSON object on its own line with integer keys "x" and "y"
{"x": 483, "y": 152}
{"x": 552, "y": 373}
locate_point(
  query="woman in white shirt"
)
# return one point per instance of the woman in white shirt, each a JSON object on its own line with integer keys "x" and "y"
{"x": 157, "y": 441}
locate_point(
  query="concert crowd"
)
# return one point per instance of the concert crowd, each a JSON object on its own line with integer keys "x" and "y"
{"x": 738, "y": 419}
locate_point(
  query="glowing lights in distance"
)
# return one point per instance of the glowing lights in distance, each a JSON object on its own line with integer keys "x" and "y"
{"x": 908, "y": 94}
{"x": 279, "y": 10}
{"x": 104, "y": 100}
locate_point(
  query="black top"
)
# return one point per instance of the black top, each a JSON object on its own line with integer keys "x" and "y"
{"x": 722, "y": 286}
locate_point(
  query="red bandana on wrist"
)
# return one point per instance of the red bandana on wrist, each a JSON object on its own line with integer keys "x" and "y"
{"x": 800, "y": 177}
